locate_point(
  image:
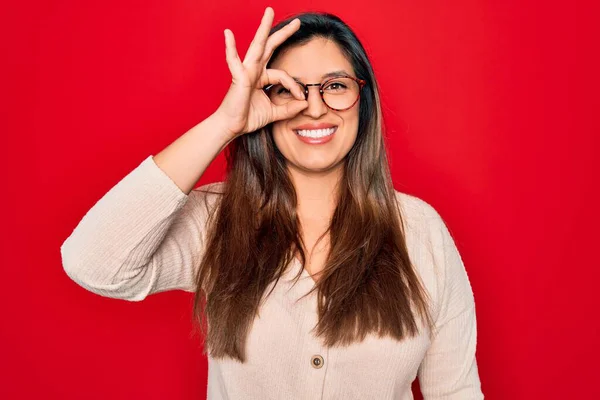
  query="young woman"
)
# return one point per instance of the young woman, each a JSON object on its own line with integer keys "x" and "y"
{"x": 315, "y": 277}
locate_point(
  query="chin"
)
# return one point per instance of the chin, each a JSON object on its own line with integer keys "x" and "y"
{"x": 318, "y": 166}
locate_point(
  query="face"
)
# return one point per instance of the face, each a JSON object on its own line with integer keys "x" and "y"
{"x": 309, "y": 64}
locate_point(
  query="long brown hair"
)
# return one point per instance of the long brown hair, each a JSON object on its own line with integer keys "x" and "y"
{"x": 368, "y": 284}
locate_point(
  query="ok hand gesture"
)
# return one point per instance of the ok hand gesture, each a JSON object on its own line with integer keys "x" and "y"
{"x": 246, "y": 107}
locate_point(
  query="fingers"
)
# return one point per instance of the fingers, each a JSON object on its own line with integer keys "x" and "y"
{"x": 279, "y": 37}
{"x": 288, "y": 110}
{"x": 257, "y": 47}
{"x": 233, "y": 59}
{"x": 275, "y": 76}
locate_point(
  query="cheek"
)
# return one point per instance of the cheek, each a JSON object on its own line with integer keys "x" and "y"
{"x": 277, "y": 127}
{"x": 277, "y": 130}
{"x": 352, "y": 123}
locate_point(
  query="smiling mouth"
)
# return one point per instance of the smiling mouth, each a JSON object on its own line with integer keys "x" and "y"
{"x": 316, "y": 133}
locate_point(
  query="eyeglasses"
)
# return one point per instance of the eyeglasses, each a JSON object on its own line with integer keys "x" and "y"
{"x": 339, "y": 93}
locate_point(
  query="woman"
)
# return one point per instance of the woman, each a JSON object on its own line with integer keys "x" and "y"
{"x": 320, "y": 279}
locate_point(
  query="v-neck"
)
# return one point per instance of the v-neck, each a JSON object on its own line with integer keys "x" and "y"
{"x": 305, "y": 274}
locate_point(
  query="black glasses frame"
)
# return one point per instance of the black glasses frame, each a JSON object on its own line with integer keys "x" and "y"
{"x": 305, "y": 86}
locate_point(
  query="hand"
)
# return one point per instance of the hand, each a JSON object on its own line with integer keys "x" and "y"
{"x": 246, "y": 107}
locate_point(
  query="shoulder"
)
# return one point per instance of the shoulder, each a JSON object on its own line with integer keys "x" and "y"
{"x": 205, "y": 197}
{"x": 417, "y": 213}
{"x": 431, "y": 247}
{"x": 426, "y": 237}
{"x": 209, "y": 189}
{"x": 423, "y": 224}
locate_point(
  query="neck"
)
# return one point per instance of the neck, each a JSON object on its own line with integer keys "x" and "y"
{"x": 317, "y": 193}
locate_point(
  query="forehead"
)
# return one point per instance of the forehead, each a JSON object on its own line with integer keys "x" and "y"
{"x": 312, "y": 60}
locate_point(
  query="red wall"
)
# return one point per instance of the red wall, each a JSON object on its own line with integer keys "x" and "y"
{"x": 489, "y": 107}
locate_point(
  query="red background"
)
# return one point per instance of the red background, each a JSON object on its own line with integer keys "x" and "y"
{"x": 490, "y": 113}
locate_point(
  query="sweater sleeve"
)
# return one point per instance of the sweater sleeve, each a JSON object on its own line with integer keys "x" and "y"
{"x": 449, "y": 370}
{"x": 143, "y": 236}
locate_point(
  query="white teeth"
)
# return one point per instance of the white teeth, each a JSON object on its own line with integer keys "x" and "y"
{"x": 316, "y": 133}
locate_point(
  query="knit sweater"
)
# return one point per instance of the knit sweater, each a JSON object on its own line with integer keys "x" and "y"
{"x": 146, "y": 236}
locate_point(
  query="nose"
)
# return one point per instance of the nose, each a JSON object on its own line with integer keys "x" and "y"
{"x": 316, "y": 106}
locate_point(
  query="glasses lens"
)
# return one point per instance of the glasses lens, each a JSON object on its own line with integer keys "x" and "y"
{"x": 279, "y": 94}
{"x": 340, "y": 93}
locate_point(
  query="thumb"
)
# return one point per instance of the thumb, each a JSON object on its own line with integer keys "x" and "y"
{"x": 288, "y": 110}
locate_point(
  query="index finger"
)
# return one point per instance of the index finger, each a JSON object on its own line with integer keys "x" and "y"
{"x": 256, "y": 49}
{"x": 279, "y": 37}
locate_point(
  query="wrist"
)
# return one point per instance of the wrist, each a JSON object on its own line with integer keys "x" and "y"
{"x": 219, "y": 128}
{"x": 220, "y": 123}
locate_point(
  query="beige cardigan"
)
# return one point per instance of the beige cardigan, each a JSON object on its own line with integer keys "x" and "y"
{"x": 145, "y": 236}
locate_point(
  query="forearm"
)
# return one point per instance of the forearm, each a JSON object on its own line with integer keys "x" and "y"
{"x": 186, "y": 159}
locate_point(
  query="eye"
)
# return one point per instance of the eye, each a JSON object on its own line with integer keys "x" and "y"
{"x": 336, "y": 86}
{"x": 279, "y": 91}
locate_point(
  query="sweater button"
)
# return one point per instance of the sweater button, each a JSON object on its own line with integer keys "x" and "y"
{"x": 317, "y": 361}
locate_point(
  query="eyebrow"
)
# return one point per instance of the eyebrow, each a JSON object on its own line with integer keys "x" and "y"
{"x": 340, "y": 72}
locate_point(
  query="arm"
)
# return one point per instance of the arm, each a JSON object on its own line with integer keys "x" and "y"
{"x": 449, "y": 369}
{"x": 146, "y": 234}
